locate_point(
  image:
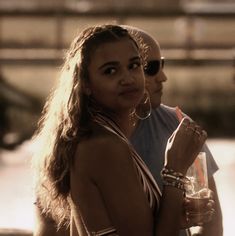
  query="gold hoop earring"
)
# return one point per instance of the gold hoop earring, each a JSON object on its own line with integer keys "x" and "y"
{"x": 144, "y": 109}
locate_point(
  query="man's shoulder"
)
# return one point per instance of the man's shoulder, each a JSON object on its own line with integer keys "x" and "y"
{"x": 165, "y": 110}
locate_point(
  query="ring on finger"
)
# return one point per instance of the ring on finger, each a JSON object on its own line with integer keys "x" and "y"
{"x": 200, "y": 223}
{"x": 197, "y": 132}
{"x": 191, "y": 128}
{"x": 187, "y": 217}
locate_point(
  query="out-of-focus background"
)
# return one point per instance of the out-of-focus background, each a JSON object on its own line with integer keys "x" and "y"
{"x": 197, "y": 38}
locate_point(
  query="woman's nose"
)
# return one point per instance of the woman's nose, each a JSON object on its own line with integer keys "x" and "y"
{"x": 127, "y": 77}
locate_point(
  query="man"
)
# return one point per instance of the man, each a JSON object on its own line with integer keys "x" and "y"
{"x": 150, "y": 136}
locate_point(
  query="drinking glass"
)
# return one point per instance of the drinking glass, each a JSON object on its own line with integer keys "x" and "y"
{"x": 197, "y": 186}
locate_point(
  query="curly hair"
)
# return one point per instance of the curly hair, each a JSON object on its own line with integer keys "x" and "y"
{"x": 66, "y": 120}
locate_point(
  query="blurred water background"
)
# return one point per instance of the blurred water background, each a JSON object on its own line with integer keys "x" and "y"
{"x": 197, "y": 39}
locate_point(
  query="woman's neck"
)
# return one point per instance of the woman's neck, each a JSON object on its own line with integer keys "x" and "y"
{"x": 127, "y": 123}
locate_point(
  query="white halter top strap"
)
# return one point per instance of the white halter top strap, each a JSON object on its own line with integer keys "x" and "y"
{"x": 150, "y": 186}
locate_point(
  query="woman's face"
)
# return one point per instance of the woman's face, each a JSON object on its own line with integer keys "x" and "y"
{"x": 116, "y": 78}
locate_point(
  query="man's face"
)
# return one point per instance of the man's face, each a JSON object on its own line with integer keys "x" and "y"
{"x": 154, "y": 72}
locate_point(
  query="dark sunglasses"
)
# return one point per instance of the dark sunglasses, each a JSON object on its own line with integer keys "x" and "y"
{"x": 154, "y": 66}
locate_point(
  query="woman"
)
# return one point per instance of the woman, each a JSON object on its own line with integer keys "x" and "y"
{"x": 88, "y": 173}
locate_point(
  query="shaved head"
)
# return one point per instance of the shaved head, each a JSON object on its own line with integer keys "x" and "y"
{"x": 154, "y": 81}
{"x": 147, "y": 38}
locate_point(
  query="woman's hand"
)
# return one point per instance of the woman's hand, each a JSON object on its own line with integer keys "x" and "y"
{"x": 197, "y": 212}
{"x": 184, "y": 145}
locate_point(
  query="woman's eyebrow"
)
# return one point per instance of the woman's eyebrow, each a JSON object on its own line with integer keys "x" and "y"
{"x": 114, "y": 63}
{"x": 110, "y": 63}
{"x": 135, "y": 58}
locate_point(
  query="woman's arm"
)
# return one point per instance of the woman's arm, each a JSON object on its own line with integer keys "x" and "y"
{"x": 182, "y": 148}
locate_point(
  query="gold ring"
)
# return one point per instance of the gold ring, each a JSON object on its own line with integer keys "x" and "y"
{"x": 187, "y": 217}
{"x": 197, "y": 132}
{"x": 189, "y": 127}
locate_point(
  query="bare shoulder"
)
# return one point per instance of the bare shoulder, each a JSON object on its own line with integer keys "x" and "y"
{"x": 101, "y": 151}
{"x": 105, "y": 178}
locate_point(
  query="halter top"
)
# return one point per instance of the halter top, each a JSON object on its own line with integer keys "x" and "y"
{"x": 150, "y": 186}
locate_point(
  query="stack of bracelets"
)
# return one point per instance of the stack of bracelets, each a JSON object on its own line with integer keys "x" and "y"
{"x": 174, "y": 179}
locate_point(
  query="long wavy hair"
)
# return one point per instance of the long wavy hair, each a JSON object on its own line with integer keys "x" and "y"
{"x": 66, "y": 120}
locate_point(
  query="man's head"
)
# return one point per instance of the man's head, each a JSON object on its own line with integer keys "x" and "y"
{"x": 154, "y": 73}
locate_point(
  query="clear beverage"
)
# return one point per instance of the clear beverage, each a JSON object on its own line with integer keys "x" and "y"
{"x": 197, "y": 186}
{"x": 198, "y": 203}
{"x": 200, "y": 198}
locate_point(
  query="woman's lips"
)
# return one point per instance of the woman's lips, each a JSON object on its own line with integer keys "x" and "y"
{"x": 130, "y": 91}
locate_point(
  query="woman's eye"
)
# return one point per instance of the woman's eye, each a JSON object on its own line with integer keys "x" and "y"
{"x": 109, "y": 71}
{"x": 134, "y": 65}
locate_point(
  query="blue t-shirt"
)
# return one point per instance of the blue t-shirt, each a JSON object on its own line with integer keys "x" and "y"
{"x": 150, "y": 138}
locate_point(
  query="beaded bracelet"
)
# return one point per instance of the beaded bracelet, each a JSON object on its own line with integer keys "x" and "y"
{"x": 171, "y": 172}
{"x": 175, "y": 184}
{"x": 173, "y": 178}
{"x": 183, "y": 180}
